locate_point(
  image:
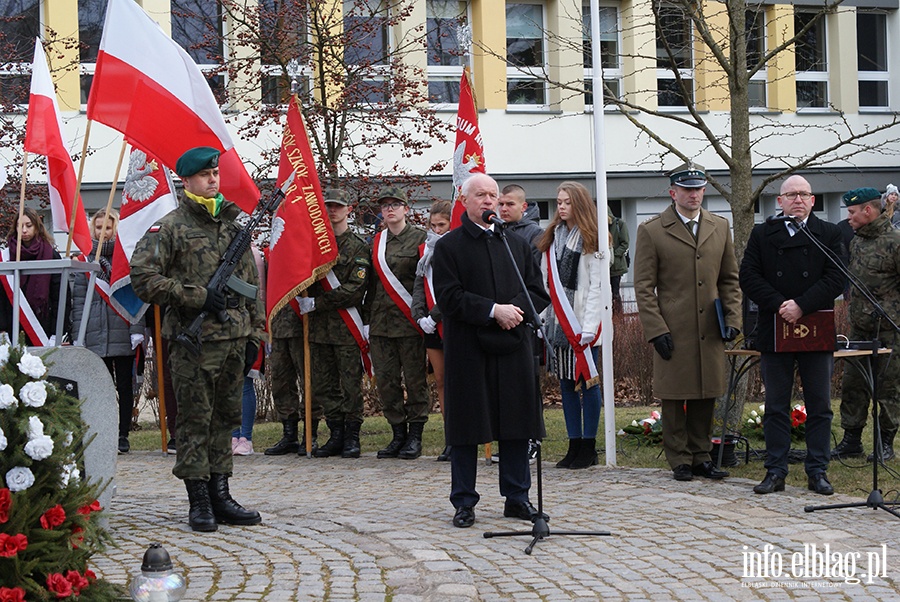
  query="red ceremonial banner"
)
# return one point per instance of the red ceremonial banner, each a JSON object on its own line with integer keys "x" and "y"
{"x": 468, "y": 155}
{"x": 302, "y": 248}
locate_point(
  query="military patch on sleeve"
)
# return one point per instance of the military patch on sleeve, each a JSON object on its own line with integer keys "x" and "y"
{"x": 154, "y": 228}
{"x": 361, "y": 273}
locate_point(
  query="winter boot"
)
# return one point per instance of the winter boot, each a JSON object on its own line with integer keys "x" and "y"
{"x": 393, "y": 448}
{"x": 335, "y": 444}
{"x": 315, "y": 439}
{"x": 351, "y": 440}
{"x": 200, "y": 516}
{"x": 288, "y": 443}
{"x": 574, "y": 447}
{"x": 887, "y": 448}
{"x": 850, "y": 446}
{"x": 587, "y": 454}
{"x": 225, "y": 509}
{"x": 412, "y": 449}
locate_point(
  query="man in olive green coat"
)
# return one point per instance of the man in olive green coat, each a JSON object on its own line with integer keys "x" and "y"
{"x": 684, "y": 261}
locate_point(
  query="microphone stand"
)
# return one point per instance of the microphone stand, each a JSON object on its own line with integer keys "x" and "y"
{"x": 876, "y": 498}
{"x": 540, "y": 530}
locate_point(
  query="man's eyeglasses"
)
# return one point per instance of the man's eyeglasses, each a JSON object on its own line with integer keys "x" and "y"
{"x": 793, "y": 195}
{"x": 394, "y": 205}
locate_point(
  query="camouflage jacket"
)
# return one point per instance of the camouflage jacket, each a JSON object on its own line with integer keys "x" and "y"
{"x": 875, "y": 259}
{"x": 402, "y": 255}
{"x": 174, "y": 261}
{"x": 353, "y": 270}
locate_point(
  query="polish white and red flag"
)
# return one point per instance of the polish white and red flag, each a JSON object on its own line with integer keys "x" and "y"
{"x": 43, "y": 136}
{"x": 147, "y": 195}
{"x": 468, "y": 155}
{"x": 147, "y": 87}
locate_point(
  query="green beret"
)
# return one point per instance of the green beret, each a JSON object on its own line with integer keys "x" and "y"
{"x": 392, "y": 192}
{"x": 196, "y": 160}
{"x": 858, "y": 196}
{"x": 335, "y": 195}
{"x": 688, "y": 175}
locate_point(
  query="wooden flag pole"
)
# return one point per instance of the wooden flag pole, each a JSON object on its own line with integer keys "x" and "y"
{"x": 75, "y": 203}
{"x": 160, "y": 379}
{"x": 307, "y": 388}
{"x": 21, "y": 205}
{"x": 112, "y": 194}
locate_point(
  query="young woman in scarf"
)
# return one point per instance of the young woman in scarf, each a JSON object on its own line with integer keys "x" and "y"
{"x": 108, "y": 334}
{"x": 41, "y": 290}
{"x": 570, "y": 263}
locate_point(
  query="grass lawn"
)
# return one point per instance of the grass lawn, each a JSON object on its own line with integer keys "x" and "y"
{"x": 853, "y": 477}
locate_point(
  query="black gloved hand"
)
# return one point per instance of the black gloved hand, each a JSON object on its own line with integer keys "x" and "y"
{"x": 664, "y": 345}
{"x": 215, "y": 301}
{"x": 250, "y": 354}
{"x": 731, "y": 333}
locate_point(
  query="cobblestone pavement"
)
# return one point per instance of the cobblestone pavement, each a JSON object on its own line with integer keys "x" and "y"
{"x": 368, "y": 529}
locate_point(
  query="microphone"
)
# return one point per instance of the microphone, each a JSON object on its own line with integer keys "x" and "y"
{"x": 781, "y": 218}
{"x": 490, "y": 217}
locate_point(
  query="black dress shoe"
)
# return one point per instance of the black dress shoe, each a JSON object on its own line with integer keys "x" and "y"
{"x": 770, "y": 484}
{"x": 524, "y": 510}
{"x": 683, "y": 472}
{"x": 464, "y": 517}
{"x": 820, "y": 484}
{"x": 708, "y": 470}
{"x": 444, "y": 456}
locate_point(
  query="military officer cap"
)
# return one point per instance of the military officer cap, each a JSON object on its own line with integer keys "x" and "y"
{"x": 688, "y": 175}
{"x": 392, "y": 192}
{"x": 197, "y": 159}
{"x": 858, "y": 196}
{"x": 338, "y": 196}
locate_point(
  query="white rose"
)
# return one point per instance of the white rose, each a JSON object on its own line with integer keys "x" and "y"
{"x": 69, "y": 471}
{"x": 35, "y": 427}
{"x": 7, "y": 397}
{"x": 19, "y": 478}
{"x": 32, "y": 365}
{"x": 4, "y": 354}
{"x": 39, "y": 448}
{"x": 3, "y": 441}
{"x": 33, "y": 394}
{"x": 68, "y": 440}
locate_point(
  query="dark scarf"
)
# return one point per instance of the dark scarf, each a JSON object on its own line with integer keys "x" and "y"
{"x": 35, "y": 286}
{"x": 106, "y": 253}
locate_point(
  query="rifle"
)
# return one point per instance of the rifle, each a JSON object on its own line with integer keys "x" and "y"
{"x": 190, "y": 336}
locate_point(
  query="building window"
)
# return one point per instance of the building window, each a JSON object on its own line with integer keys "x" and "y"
{"x": 811, "y": 65}
{"x": 20, "y": 24}
{"x": 674, "y": 52}
{"x": 609, "y": 53}
{"x": 90, "y": 30}
{"x": 872, "y": 59}
{"x": 755, "y": 26}
{"x": 445, "y": 58}
{"x": 366, "y": 51}
{"x": 198, "y": 28}
{"x": 525, "y": 82}
{"x": 283, "y": 33}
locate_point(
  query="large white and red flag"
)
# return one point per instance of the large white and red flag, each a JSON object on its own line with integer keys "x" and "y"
{"x": 43, "y": 136}
{"x": 147, "y": 87}
{"x": 302, "y": 248}
{"x": 468, "y": 155}
{"x": 148, "y": 194}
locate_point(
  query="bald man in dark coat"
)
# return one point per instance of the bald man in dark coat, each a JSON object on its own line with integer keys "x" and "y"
{"x": 489, "y": 384}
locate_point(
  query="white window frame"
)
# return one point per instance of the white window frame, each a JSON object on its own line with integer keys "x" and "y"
{"x": 816, "y": 76}
{"x": 447, "y": 73}
{"x": 23, "y": 68}
{"x": 878, "y": 76}
{"x": 382, "y": 72}
{"x": 762, "y": 76}
{"x": 525, "y": 74}
{"x": 609, "y": 73}
{"x": 685, "y": 74}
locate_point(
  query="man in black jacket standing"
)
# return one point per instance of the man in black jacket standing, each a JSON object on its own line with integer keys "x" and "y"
{"x": 486, "y": 340}
{"x": 784, "y": 273}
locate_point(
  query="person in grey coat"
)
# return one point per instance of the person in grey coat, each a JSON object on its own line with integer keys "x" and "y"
{"x": 108, "y": 334}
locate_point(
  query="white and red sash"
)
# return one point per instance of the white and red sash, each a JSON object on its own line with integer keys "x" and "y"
{"x": 585, "y": 367}
{"x": 354, "y": 322}
{"x": 102, "y": 288}
{"x": 429, "y": 297}
{"x": 392, "y": 285}
{"x": 27, "y": 318}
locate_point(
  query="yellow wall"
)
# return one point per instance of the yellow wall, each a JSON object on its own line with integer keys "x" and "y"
{"x": 782, "y": 90}
{"x": 489, "y": 36}
{"x": 62, "y": 17}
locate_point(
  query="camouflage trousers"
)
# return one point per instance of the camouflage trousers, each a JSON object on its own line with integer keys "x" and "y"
{"x": 337, "y": 381}
{"x": 856, "y": 391}
{"x": 286, "y": 367}
{"x": 398, "y": 360}
{"x": 208, "y": 388}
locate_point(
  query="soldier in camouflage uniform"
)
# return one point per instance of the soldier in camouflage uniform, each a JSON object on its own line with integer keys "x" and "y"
{"x": 334, "y": 352}
{"x": 875, "y": 259}
{"x": 171, "y": 266}
{"x": 398, "y": 350}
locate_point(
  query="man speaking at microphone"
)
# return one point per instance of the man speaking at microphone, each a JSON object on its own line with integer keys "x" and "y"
{"x": 485, "y": 340}
{"x": 786, "y": 274}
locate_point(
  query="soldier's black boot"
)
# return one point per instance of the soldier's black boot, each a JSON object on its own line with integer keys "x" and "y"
{"x": 393, "y": 448}
{"x": 351, "y": 440}
{"x": 412, "y": 449}
{"x": 315, "y": 439}
{"x": 887, "y": 448}
{"x": 224, "y": 507}
{"x": 200, "y": 516}
{"x": 335, "y": 444}
{"x": 288, "y": 443}
{"x": 850, "y": 446}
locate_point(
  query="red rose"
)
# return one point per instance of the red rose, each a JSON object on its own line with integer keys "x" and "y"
{"x": 78, "y": 582}
{"x": 92, "y": 507}
{"x": 77, "y": 537}
{"x": 53, "y": 517}
{"x": 91, "y": 575}
{"x": 10, "y": 545}
{"x": 12, "y": 594}
{"x": 59, "y": 585}
{"x": 5, "y": 504}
